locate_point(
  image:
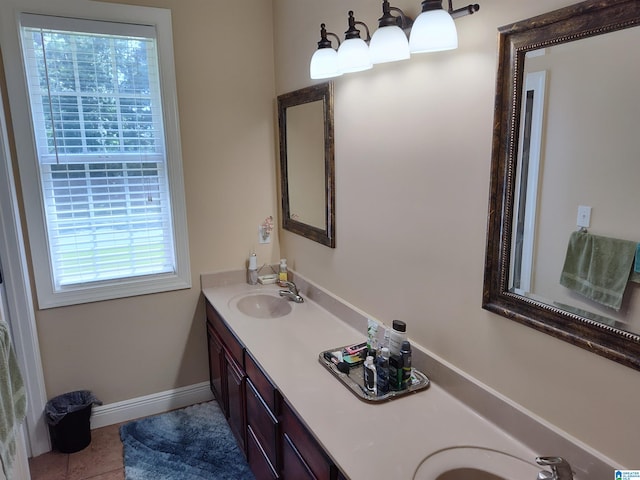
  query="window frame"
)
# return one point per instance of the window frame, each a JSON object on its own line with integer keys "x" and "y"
{"x": 48, "y": 295}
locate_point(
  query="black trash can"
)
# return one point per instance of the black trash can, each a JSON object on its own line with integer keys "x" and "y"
{"x": 68, "y": 417}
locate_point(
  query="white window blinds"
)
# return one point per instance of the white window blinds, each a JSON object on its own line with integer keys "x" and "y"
{"x": 96, "y": 108}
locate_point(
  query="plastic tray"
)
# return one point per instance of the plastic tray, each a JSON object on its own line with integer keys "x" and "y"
{"x": 354, "y": 381}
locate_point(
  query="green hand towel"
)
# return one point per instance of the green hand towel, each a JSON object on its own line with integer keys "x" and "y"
{"x": 598, "y": 267}
{"x": 13, "y": 400}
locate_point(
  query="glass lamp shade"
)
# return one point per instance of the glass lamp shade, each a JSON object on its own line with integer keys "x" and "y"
{"x": 353, "y": 56}
{"x": 389, "y": 44}
{"x": 324, "y": 64}
{"x": 433, "y": 31}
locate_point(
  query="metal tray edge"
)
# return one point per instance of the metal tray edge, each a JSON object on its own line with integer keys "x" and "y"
{"x": 358, "y": 389}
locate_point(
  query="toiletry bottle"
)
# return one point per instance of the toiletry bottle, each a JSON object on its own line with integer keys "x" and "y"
{"x": 282, "y": 274}
{"x": 397, "y": 336}
{"x": 252, "y": 272}
{"x": 372, "y": 337}
{"x": 405, "y": 355}
{"x": 395, "y": 372}
{"x": 370, "y": 375}
{"x": 382, "y": 371}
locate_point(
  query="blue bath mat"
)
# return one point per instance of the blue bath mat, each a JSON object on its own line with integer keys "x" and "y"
{"x": 193, "y": 443}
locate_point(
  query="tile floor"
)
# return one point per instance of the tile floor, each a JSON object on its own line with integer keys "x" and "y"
{"x": 101, "y": 460}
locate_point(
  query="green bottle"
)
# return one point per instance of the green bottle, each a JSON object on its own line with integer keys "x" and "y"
{"x": 405, "y": 355}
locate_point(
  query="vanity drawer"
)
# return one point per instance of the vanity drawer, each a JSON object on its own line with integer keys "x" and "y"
{"x": 302, "y": 457}
{"x": 231, "y": 343}
{"x": 260, "y": 465}
{"x": 261, "y": 382}
{"x": 294, "y": 466}
{"x": 263, "y": 423}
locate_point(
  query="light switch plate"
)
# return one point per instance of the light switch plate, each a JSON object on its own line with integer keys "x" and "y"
{"x": 584, "y": 216}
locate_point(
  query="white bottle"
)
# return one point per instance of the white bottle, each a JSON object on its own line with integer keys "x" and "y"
{"x": 252, "y": 272}
{"x": 397, "y": 336}
{"x": 370, "y": 380}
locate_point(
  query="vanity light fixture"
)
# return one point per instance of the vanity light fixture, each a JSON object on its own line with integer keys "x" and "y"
{"x": 434, "y": 30}
{"x": 353, "y": 54}
{"x": 389, "y": 42}
{"x": 324, "y": 62}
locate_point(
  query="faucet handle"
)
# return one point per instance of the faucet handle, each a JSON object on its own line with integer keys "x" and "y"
{"x": 291, "y": 286}
{"x": 560, "y": 468}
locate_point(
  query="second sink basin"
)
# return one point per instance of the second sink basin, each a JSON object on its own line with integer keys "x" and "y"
{"x": 475, "y": 463}
{"x": 262, "y": 305}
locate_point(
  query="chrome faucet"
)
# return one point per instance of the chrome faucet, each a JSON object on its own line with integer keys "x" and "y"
{"x": 560, "y": 469}
{"x": 292, "y": 293}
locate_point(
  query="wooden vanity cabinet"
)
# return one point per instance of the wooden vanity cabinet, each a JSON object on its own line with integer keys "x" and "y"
{"x": 226, "y": 374}
{"x": 275, "y": 441}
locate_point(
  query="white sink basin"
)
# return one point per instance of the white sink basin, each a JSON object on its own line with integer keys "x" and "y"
{"x": 475, "y": 463}
{"x": 262, "y": 305}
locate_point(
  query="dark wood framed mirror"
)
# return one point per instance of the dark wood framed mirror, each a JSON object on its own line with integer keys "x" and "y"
{"x": 598, "y": 32}
{"x": 307, "y": 169}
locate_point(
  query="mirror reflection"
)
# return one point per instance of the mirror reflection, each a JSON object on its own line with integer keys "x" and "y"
{"x": 563, "y": 228}
{"x": 307, "y": 162}
{"x": 578, "y": 150}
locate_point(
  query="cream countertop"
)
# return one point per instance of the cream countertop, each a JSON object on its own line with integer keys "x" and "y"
{"x": 386, "y": 440}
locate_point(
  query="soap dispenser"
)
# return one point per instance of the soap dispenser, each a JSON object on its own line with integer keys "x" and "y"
{"x": 283, "y": 276}
{"x": 252, "y": 272}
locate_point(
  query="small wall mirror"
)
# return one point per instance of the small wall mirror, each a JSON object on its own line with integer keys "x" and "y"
{"x": 305, "y": 119}
{"x": 565, "y": 139}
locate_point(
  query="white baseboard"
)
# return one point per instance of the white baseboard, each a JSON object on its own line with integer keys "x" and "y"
{"x": 150, "y": 404}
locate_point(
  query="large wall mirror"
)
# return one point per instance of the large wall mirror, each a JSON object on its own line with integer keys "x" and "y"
{"x": 564, "y": 177}
{"x": 305, "y": 119}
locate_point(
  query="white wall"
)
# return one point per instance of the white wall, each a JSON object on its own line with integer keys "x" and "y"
{"x": 413, "y": 152}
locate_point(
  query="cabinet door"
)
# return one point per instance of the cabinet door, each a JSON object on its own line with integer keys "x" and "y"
{"x": 236, "y": 399}
{"x": 216, "y": 365}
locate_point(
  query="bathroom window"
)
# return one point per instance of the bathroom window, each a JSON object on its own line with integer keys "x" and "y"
{"x": 109, "y": 215}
